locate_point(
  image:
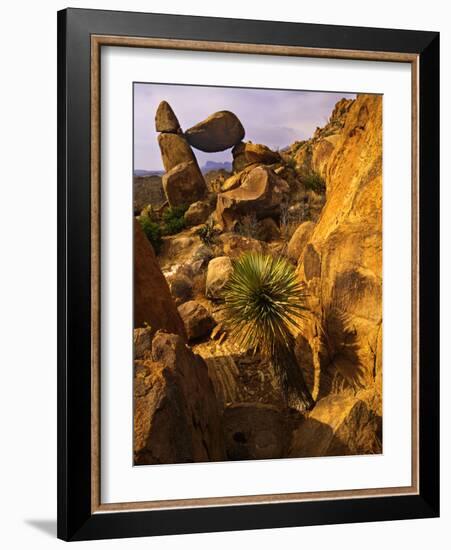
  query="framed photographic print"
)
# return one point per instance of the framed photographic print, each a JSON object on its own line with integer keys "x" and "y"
{"x": 248, "y": 274}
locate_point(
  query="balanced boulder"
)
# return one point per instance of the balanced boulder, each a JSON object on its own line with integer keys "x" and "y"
{"x": 261, "y": 192}
{"x": 218, "y": 132}
{"x": 165, "y": 119}
{"x": 184, "y": 184}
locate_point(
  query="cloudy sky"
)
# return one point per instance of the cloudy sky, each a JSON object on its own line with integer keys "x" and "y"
{"x": 274, "y": 117}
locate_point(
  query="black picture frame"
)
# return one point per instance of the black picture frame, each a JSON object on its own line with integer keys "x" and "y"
{"x": 75, "y": 518}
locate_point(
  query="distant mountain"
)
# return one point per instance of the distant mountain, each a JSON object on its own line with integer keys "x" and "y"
{"x": 212, "y": 165}
{"x": 148, "y": 172}
{"x": 209, "y": 166}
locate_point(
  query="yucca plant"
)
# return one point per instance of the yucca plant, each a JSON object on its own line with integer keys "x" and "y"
{"x": 264, "y": 306}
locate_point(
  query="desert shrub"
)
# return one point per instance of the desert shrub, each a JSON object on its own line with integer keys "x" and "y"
{"x": 152, "y": 231}
{"x": 264, "y": 305}
{"x": 313, "y": 181}
{"x": 173, "y": 220}
{"x": 291, "y": 163}
{"x": 207, "y": 233}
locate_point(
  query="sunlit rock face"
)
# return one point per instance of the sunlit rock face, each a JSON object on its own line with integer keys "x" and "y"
{"x": 341, "y": 265}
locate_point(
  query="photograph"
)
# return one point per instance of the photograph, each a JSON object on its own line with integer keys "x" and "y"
{"x": 257, "y": 273}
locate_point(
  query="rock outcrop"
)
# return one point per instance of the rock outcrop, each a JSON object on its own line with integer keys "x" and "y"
{"x": 299, "y": 239}
{"x": 176, "y": 415}
{"x": 339, "y": 425}
{"x": 341, "y": 265}
{"x": 153, "y": 304}
{"x": 183, "y": 182}
{"x": 261, "y": 192}
{"x": 218, "y": 132}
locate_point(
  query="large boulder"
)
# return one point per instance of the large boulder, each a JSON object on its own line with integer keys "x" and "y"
{"x": 338, "y": 425}
{"x": 176, "y": 414}
{"x": 218, "y": 132}
{"x": 175, "y": 150}
{"x": 181, "y": 286}
{"x": 184, "y": 184}
{"x": 299, "y": 239}
{"x": 261, "y": 192}
{"x": 197, "y": 213}
{"x": 165, "y": 119}
{"x": 218, "y": 273}
{"x": 153, "y": 304}
{"x": 248, "y": 153}
{"x": 198, "y": 322}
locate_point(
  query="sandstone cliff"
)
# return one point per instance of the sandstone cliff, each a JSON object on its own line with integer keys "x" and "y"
{"x": 341, "y": 264}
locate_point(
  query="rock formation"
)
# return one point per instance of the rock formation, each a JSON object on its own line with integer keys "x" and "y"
{"x": 342, "y": 267}
{"x": 165, "y": 119}
{"x": 184, "y": 184}
{"x": 218, "y": 273}
{"x": 153, "y": 305}
{"x": 198, "y": 322}
{"x": 317, "y": 202}
{"x": 218, "y": 132}
{"x": 299, "y": 240}
{"x": 176, "y": 415}
{"x": 175, "y": 150}
{"x": 197, "y": 213}
{"x": 261, "y": 192}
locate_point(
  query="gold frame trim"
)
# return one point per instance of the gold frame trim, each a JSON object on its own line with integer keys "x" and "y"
{"x": 97, "y": 41}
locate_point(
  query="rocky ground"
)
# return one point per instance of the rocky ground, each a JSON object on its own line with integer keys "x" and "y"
{"x": 198, "y": 396}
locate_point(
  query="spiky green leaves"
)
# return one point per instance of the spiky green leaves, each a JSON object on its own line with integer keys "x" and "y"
{"x": 264, "y": 302}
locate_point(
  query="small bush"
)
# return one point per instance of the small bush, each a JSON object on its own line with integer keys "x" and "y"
{"x": 173, "y": 220}
{"x": 207, "y": 233}
{"x": 152, "y": 231}
{"x": 291, "y": 163}
{"x": 314, "y": 182}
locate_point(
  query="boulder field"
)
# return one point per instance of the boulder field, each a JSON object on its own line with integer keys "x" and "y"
{"x": 198, "y": 396}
